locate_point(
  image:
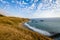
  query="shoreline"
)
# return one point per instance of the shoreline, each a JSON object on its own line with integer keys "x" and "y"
{"x": 37, "y": 30}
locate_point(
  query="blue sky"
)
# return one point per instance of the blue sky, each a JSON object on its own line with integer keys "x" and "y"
{"x": 31, "y": 8}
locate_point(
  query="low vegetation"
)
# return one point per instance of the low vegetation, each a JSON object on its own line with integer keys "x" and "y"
{"x": 12, "y": 28}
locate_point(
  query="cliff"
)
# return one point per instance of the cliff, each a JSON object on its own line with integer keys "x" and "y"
{"x": 12, "y": 28}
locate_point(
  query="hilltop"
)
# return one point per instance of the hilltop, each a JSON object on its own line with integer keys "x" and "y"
{"x": 12, "y": 28}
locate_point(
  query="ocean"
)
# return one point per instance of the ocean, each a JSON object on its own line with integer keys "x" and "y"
{"x": 47, "y": 27}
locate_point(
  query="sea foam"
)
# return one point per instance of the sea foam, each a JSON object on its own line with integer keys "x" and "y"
{"x": 38, "y": 30}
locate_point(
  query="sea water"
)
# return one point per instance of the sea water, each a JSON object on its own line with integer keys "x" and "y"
{"x": 49, "y": 27}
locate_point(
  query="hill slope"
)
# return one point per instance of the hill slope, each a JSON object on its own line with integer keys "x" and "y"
{"x": 12, "y": 28}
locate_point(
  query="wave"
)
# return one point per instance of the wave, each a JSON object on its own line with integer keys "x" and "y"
{"x": 38, "y": 30}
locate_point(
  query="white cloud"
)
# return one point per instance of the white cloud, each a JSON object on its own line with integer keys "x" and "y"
{"x": 47, "y": 13}
{"x": 54, "y": 12}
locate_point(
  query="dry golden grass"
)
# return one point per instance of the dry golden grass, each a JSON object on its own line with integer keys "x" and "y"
{"x": 12, "y": 28}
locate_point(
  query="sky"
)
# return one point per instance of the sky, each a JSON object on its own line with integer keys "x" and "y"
{"x": 31, "y": 8}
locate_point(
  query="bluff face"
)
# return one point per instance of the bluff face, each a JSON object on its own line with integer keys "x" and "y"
{"x": 12, "y": 28}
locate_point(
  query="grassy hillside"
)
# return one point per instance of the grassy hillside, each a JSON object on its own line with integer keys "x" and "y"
{"x": 12, "y": 28}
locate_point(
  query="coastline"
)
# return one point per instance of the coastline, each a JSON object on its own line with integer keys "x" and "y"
{"x": 37, "y": 30}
